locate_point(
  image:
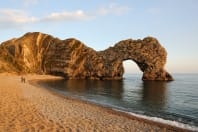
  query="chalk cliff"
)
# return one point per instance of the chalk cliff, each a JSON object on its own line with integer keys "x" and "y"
{"x": 43, "y": 54}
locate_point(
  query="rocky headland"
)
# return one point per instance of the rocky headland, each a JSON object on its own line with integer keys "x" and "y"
{"x": 43, "y": 54}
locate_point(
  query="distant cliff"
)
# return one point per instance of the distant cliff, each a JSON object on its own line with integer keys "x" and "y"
{"x": 43, "y": 54}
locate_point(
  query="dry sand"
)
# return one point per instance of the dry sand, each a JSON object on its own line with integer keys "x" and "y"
{"x": 26, "y": 107}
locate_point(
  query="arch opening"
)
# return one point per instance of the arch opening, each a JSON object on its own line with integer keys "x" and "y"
{"x": 131, "y": 68}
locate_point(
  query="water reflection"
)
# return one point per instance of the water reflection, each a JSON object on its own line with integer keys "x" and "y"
{"x": 154, "y": 94}
{"x": 106, "y": 88}
{"x": 83, "y": 87}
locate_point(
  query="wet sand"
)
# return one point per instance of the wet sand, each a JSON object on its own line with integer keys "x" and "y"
{"x": 27, "y": 107}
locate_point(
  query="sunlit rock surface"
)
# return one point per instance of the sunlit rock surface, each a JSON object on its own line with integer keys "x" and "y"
{"x": 43, "y": 54}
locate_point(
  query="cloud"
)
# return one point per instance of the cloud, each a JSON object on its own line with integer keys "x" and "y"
{"x": 114, "y": 9}
{"x": 15, "y": 18}
{"x": 12, "y": 17}
{"x": 67, "y": 16}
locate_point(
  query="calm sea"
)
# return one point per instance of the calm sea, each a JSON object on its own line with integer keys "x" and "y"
{"x": 175, "y": 101}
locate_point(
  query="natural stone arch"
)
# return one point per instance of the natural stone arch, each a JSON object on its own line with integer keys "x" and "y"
{"x": 41, "y": 53}
{"x": 148, "y": 54}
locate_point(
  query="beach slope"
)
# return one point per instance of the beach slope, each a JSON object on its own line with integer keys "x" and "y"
{"x": 26, "y": 107}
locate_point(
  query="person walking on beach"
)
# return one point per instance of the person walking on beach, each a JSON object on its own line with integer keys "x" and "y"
{"x": 22, "y": 79}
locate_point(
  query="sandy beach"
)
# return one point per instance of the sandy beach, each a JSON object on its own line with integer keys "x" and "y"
{"x": 26, "y": 107}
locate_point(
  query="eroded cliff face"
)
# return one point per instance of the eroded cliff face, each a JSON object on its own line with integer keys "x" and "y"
{"x": 44, "y": 54}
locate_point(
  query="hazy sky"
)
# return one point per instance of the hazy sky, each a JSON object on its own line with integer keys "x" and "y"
{"x": 102, "y": 23}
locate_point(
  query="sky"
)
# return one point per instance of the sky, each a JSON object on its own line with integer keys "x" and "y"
{"x": 102, "y": 23}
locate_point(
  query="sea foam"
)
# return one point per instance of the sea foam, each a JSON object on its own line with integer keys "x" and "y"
{"x": 160, "y": 120}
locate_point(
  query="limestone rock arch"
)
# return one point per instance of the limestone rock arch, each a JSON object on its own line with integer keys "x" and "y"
{"x": 43, "y": 54}
{"x": 148, "y": 54}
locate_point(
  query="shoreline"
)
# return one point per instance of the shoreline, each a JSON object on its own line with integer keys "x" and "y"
{"x": 30, "y": 107}
{"x": 118, "y": 112}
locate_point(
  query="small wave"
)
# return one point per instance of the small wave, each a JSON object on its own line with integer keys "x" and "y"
{"x": 160, "y": 120}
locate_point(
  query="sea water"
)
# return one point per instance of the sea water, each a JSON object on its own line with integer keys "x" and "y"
{"x": 174, "y": 102}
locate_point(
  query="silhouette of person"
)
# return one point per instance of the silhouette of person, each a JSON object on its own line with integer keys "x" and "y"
{"x": 22, "y": 79}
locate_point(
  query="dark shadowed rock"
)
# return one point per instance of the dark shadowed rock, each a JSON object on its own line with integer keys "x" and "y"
{"x": 44, "y": 54}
